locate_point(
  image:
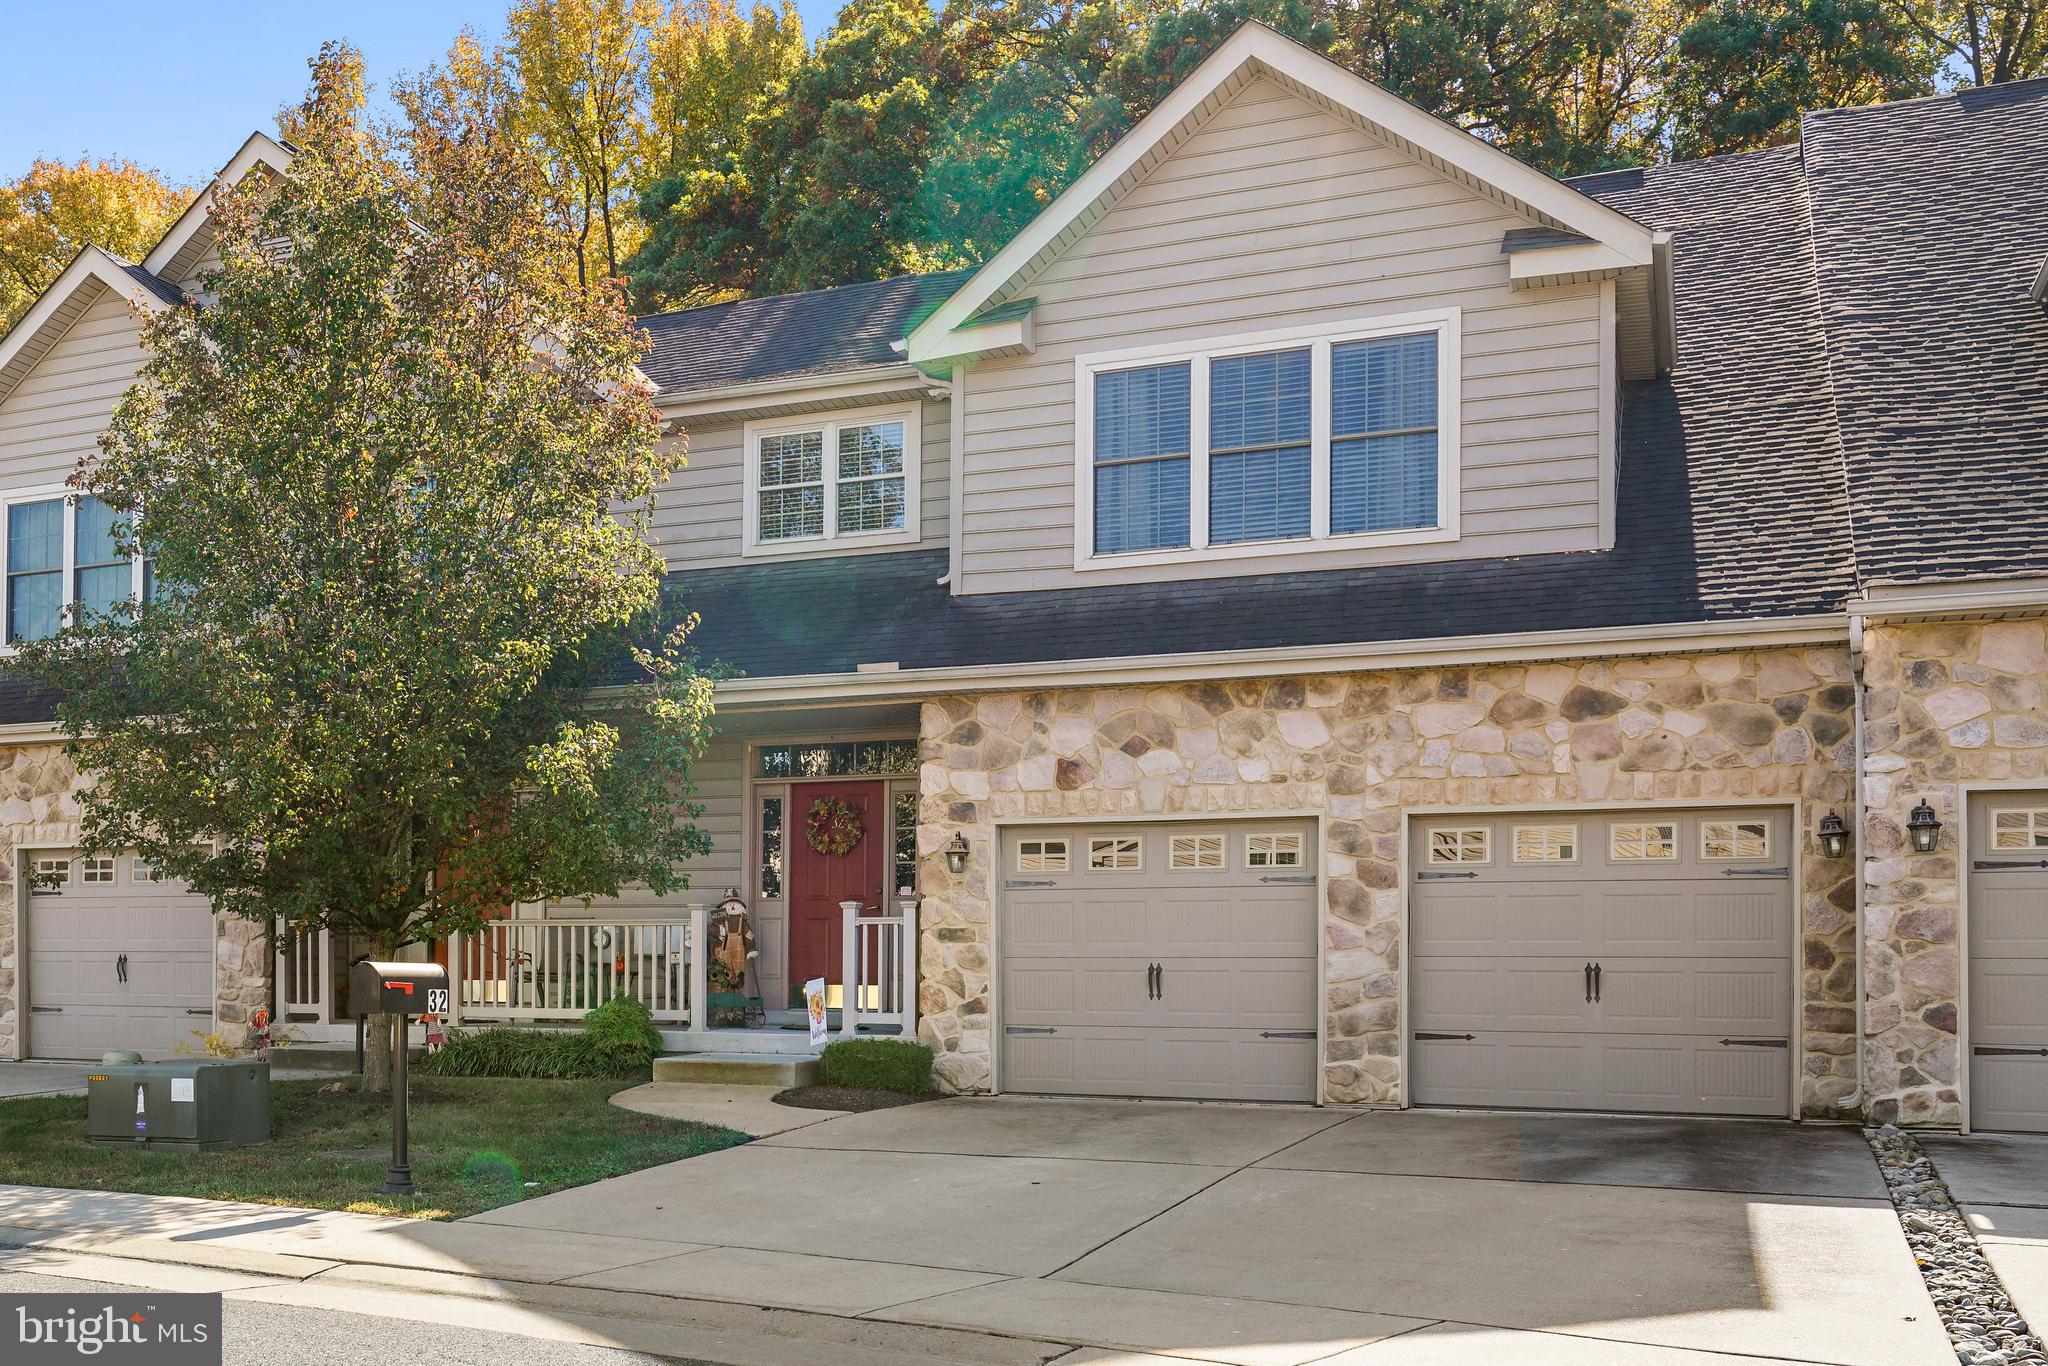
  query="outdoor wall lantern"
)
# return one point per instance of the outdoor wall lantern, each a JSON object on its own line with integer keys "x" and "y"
{"x": 1834, "y": 836}
{"x": 1924, "y": 828}
{"x": 956, "y": 854}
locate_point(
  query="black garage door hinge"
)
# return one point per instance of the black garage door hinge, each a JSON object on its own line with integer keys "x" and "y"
{"x": 1421, "y": 1035}
{"x": 1440, "y": 876}
{"x": 1009, "y": 885}
{"x": 1296, "y": 879}
{"x": 1986, "y": 865}
{"x": 1756, "y": 1043}
{"x": 1756, "y": 872}
{"x": 1029, "y": 1029}
{"x": 1987, "y": 1051}
{"x": 1287, "y": 1033}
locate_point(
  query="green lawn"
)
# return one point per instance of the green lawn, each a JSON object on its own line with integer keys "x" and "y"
{"x": 477, "y": 1143}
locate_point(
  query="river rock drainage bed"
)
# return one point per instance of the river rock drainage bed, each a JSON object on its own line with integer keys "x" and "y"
{"x": 1981, "y": 1320}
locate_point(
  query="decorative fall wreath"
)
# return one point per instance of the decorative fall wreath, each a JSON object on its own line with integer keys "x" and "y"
{"x": 832, "y": 827}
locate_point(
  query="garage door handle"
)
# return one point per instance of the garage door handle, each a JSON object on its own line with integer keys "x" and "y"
{"x": 1029, "y": 1029}
{"x": 1589, "y": 984}
{"x": 1755, "y": 1043}
{"x": 1596, "y": 984}
{"x": 1987, "y": 1051}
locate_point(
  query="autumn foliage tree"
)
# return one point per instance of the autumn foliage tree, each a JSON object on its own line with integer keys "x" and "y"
{"x": 387, "y": 685}
{"x": 55, "y": 208}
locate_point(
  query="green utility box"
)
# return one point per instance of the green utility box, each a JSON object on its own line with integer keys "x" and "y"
{"x": 179, "y": 1105}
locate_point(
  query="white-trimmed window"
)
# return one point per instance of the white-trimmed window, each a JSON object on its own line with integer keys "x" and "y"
{"x": 51, "y": 874}
{"x": 847, "y": 478}
{"x": 2019, "y": 827}
{"x": 1642, "y": 841}
{"x": 1450, "y": 844}
{"x": 1273, "y": 851}
{"x": 99, "y": 870}
{"x": 1195, "y": 853}
{"x": 1735, "y": 839}
{"x": 1041, "y": 856}
{"x": 1301, "y": 439}
{"x": 1547, "y": 843}
{"x": 1116, "y": 854}
{"x": 60, "y": 556}
{"x": 142, "y": 871}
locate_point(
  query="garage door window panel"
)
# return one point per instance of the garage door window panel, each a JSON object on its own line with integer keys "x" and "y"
{"x": 2019, "y": 828}
{"x": 1551, "y": 844}
{"x": 1195, "y": 853}
{"x": 1272, "y": 851}
{"x": 1116, "y": 854}
{"x": 1731, "y": 841}
{"x": 1466, "y": 845}
{"x": 1042, "y": 856}
{"x": 1639, "y": 842}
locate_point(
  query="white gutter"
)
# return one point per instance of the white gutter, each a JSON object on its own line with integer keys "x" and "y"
{"x": 840, "y": 384}
{"x": 1960, "y": 598}
{"x": 1506, "y": 648}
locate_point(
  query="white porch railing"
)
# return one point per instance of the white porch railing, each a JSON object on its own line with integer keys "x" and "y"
{"x": 879, "y": 968}
{"x": 305, "y": 977}
{"x": 562, "y": 969}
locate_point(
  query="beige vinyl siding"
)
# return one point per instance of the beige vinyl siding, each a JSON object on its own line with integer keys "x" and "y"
{"x": 56, "y": 414}
{"x": 1278, "y": 215}
{"x": 699, "y": 516}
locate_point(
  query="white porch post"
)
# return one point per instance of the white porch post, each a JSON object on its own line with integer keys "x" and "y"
{"x": 849, "y": 968}
{"x": 455, "y": 974}
{"x": 700, "y": 968}
{"x": 907, "y": 910}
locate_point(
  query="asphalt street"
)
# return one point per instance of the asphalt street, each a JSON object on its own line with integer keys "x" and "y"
{"x": 281, "y": 1335}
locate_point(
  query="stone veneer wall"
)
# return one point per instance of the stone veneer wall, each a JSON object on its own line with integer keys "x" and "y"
{"x": 1945, "y": 705}
{"x": 1363, "y": 748}
{"x": 37, "y": 808}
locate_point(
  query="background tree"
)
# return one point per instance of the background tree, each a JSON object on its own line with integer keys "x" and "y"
{"x": 581, "y": 69}
{"x": 1745, "y": 70}
{"x": 376, "y": 477}
{"x": 1988, "y": 40}
{"x": 53, "y": 209}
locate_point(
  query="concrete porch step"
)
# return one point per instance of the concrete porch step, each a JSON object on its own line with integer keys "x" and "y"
{"x": 738, "y": 1069}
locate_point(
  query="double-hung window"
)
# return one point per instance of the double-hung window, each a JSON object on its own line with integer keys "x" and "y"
{"x": 848, "y": 478}
{"x": 62, "y": 557}
{"x": 1304, "y": 439}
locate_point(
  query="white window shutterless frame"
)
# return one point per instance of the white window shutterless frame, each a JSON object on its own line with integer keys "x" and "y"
{"x": 1320, "y": 338}
{"x": 832, "y": 479}
{"x": 80, "y": 567}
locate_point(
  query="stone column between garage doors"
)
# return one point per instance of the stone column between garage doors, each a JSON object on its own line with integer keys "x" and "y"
{"x": 1947, "y": 704}
{"x": 1363, "y": 748}
{"x": 38, "y": 808}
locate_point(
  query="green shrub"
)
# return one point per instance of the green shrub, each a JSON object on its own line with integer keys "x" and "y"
{"x": 621, "y": 1034}
{"x": 877, "y": 1065}
{"x": 618, "y": 1040}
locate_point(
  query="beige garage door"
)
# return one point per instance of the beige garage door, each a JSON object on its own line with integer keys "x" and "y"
{"x": 2009, "y": 961}
{"x": 1160, "y": 960}
{"x": 1624, "y": 961}
{"x": 115, "y": 960}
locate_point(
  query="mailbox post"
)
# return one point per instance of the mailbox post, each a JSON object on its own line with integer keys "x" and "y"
{"x": 402, "y": 991}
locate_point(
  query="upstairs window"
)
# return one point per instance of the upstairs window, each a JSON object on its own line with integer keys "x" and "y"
{"x": 849, "y": 478}
{"x": 61, "y": 556}
{"x": 1293, "y": 441}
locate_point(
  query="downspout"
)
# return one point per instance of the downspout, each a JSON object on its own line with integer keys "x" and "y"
{"x": 1856, "y": 827}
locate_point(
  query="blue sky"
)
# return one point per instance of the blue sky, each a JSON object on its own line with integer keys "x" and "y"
{"x": 178, "y": 86}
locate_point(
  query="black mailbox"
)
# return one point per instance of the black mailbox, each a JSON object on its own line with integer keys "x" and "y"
{"x": 408, "y": 989}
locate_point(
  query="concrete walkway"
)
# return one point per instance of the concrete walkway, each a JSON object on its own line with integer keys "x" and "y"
{"x": 1151, "y": 1232}
{"x": 2001, "y": 1182}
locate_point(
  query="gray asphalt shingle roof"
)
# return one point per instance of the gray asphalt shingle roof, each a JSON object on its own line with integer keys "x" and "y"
{"x": 1931, "y": 218}
{"x": 790, "y": 335}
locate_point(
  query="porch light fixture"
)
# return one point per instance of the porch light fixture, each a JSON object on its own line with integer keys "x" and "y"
{"x": 956, "y": 854}
{"x": 1924, "y": 828}
{"x": 1834, "y": 836}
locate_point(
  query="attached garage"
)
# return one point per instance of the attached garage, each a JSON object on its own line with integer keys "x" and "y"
{"x": 1169, "y": 959}
{"x": 2008, "y": 943}
{"x": 116, "y": 958}
{"x": 1637, "y": 961}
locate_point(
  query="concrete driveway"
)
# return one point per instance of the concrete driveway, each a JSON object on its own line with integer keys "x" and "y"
{"x": 1271, "y": 1236}
{"x": 2001, "y": 1182}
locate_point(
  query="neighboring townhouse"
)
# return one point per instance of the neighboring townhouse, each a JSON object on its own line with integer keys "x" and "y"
{"x": 1329, "y": 614}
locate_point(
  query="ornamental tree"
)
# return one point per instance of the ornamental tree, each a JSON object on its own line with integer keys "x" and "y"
{"x": 398, "y": 665}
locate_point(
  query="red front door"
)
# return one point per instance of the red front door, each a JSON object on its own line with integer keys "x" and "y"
{"x": 819, "y": 882}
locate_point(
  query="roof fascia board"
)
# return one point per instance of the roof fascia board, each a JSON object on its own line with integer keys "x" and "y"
{"x": 91, "y": 265}
{"x": 1534, "y": 265}
{"x": 1511, "y": 647}
{"x": 1259, "y": 46}
{"x": 867, "y": 382}
{"x": 258, "y": 149}
{"x": 986, "y": 341}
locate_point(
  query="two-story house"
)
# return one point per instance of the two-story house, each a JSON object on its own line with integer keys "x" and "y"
{"x": 1328, "y": 614}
